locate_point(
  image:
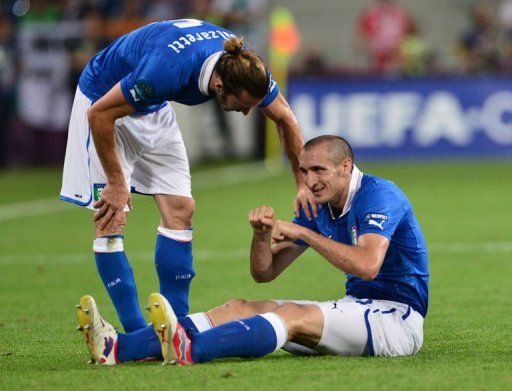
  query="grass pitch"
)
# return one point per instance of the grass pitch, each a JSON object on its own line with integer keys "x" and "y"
{"x": 46, "y": 264}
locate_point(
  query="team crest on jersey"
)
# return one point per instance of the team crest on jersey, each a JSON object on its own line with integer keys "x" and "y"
{"x": 353, "y": 235}
{"x": 143, "y": 90}
{"x": 376, "y": 219}
{"x": 98, "y": 188}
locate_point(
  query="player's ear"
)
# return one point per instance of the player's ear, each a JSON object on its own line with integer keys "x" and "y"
{"x": 218, "y": 86}
{"x": 347, "y": 165}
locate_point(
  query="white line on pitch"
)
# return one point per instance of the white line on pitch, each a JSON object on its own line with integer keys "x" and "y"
{"x": 133, "y": 256}
{"x": 202, "y": 180}
{"x": 477, "y": 247}
{"x": 33, "y": 208}
{"x": 236, "y": 254}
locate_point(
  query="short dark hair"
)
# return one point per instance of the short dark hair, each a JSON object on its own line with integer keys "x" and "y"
{"x": 241, "y": 69}
{"x": 339, "y": 148}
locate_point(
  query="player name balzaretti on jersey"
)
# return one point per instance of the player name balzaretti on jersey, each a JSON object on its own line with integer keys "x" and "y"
{"x": 160, "y": 62}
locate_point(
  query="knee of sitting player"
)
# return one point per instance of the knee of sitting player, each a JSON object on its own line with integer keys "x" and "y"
{"x": 304, "y": 322}
{"x": 236, "y": 307}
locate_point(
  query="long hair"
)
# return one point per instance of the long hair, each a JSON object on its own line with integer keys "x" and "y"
{"x": 241, "y": 69}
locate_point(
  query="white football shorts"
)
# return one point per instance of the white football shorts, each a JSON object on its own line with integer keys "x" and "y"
{"x": 150, "y": 149}
{"x": 365, "y": 327}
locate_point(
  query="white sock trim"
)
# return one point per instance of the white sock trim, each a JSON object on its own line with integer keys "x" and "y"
{"x": 182, "y": 235}
{"x": 107, "y": 245}
{"x": 201, "y": 321}
{"x": 279, "y": 326}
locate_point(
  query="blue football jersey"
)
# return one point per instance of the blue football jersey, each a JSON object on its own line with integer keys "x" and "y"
{"x": 160, "y": 62}
{"x": 380, "y": 207}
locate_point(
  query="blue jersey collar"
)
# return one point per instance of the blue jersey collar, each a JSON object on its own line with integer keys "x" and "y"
{"x": 206, "y": 72}
{"x": 355, "y": 184}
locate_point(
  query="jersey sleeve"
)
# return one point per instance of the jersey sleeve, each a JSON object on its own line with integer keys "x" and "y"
{"x": 273, "y": 91}
{"x": 303, "y": 221}
{"x": 379, "y": 211}
{"x": 153, "y": 81}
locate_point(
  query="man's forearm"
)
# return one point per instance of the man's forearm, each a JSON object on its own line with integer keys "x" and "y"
{"x": 103, "y": 135}
{"x": 350, "y": 259}
{"x": 261, "y": 258}
{"x": 292, "y": 141}
{"x": 101, "y": 117}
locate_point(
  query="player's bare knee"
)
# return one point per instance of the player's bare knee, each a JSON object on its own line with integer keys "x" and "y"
{"x": 113, "y": 228}
{"x": 236, "y": 306}
{"x": 177, "y": 212}
{"x": 295, "y": 318}
{"x": 289, "y": 312}
{"x": 188, "y": 208}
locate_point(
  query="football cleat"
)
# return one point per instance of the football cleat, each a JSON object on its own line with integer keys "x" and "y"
{"x": 100, "y": 336}
{"x": 175, "y": 342}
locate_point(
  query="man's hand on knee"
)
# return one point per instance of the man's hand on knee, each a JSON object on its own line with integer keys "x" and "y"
{"x": 110, "y": 206}
{"x": 115, "y": 226}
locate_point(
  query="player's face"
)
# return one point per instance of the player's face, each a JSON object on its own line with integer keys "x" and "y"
{"x": 242, "y": 103}
{"x": 327, "y": 181}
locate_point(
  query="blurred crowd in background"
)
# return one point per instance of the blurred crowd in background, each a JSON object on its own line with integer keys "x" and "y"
{"x": 44, "y": 45}
{"x": 392, "y": 42}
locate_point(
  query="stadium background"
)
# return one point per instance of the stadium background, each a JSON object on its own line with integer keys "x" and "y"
{"x": 450, "y": 152}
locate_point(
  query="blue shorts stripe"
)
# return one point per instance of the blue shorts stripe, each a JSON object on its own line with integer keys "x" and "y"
{"x": 406, "y": 315}
{"x": 369, "y": 330}
{"x": 73, "y": 201}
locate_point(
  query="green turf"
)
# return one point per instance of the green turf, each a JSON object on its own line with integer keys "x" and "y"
{"x": 46, "y": 265}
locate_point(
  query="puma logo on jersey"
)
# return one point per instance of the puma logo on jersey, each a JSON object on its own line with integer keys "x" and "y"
{"x": 376, "y": 219}
{"x": 373, "y": 222}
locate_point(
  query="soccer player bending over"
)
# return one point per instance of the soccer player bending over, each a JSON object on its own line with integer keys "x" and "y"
{"x": 124, "y": 137}
{"x": 365, "y": 227}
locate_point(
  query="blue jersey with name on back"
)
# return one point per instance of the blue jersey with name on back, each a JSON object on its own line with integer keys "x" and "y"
{"x": 157, "y": 63}
{"x": 380, "y": 207}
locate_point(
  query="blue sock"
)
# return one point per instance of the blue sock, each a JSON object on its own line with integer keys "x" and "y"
{"x": 139, "y": 345}
{"x": 173, "y": 261}
{"x": 117, "y": 276}
{"x": 188, "y": 325}
{"x": 251, "y": 337}
{"x": 144, "y": 343}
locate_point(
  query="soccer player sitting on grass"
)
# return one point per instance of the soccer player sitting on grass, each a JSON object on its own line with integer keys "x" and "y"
{"x": 365, "y": 227}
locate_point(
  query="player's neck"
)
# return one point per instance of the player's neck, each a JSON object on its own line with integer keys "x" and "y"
{"x": 335, "y": 210}
{"x": 337, "y": 205}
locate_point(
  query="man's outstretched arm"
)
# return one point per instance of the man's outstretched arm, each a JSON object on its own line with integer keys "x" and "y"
{"x": 290, "y": 134}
